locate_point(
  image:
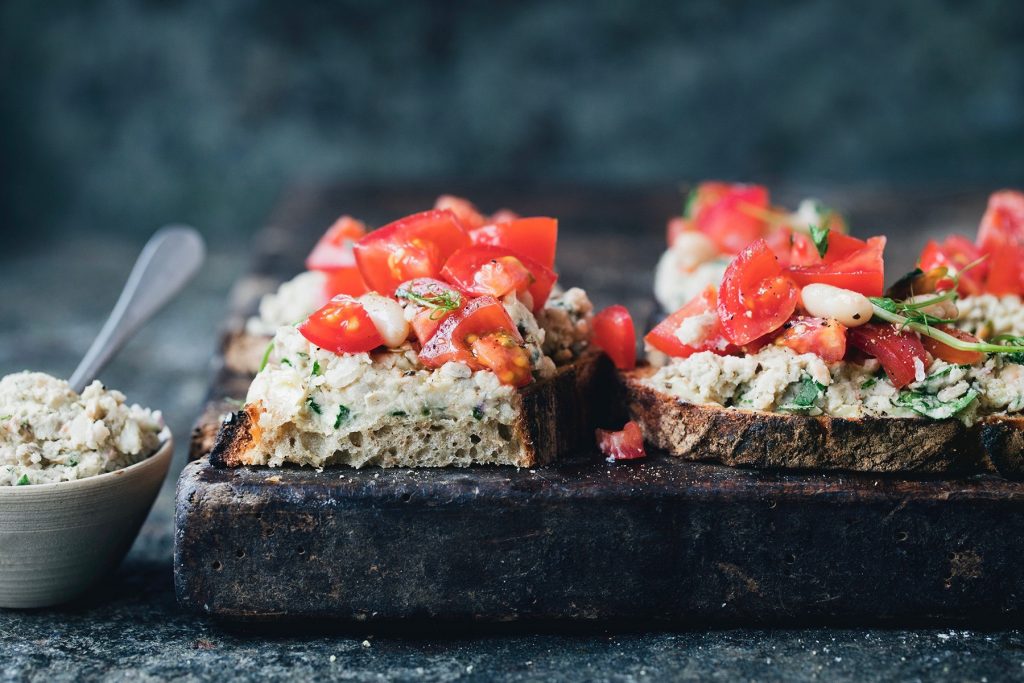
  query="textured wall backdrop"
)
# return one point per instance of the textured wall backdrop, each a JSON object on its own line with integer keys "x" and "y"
{"x": 120, "y": 116}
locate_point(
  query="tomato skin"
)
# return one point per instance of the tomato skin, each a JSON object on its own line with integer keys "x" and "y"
{"x": 755, "y": 298}
{"x": 823, "y": 337}
{"x": 861, "y": 271}
{"x": 411, "y": 247}
{"x": 500, "y": 353}
{"x": 341, "y": 326}
{"x": 625, "y": 444}
{"x": 535, "y": 238}
{"x": 426, "y": 321}
{"x": 894, "y": 349}
{"x": 731, "y": 215}
{"x": 1003, "y": 220}
{"x": 615, "y": 334}
{"x": 334, "y": 249}
{"x": 955, "y": 253}
{"x": 467, "y": 213}
{"x": 948, "y": 353}
{"x": 1006, "y": 270}
{"x": 663, "y": 336}
{"x": 496, "y": 271}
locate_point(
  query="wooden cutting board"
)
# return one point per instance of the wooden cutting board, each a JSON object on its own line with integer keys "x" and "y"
{"x": 661, "y": 539}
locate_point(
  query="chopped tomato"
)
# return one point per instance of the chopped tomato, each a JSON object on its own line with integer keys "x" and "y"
{"x": 626, "y": 444}
{"x": 615, "y": 334}
{"x": 464, "y": 210}
{"x": 414, "y": 246}
{"x": 535, "y": 238}
{"x": 861, "y": 271}
{"x": 948, "y": 353}
{"x": 503, "y": 216}
{"x": 503, "y": 355}
{"x": 342, "y": 326}
{"x": 1006, "y": 270}
{"x": 897, "y": 351}
{"x": 1003, "y": 221}
{"x": 956, "y": 253}
{"x": 825, "y": 337}
{"x": 437, "y": 301}
{"x": 344, "y": 281}
{"x": 676, "y": 226}
{"x": 455, "y": 338}
{"x": 756, "y": 297}
{"x": 497, "y": 271}
{"x": 733, "y": 216}
{"x": 704, "y": 333}
{"x": 334, "y": 249}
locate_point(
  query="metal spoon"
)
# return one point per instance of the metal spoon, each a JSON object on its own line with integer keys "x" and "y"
{"x": 167, "y": 263}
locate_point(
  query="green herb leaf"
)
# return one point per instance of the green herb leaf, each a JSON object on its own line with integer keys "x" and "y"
{"x": 442, "y": 302}
{"x": 930, "y": 406}
{"x": 285, "y": 361}
{"x": 819, "y": 235}
{"x": 398, "y": 413}
{"x": 24, "y": 480}
{"x": 72, "y": 462}
{"x": 314, "y": 406}
{"x": 804, "y": 395}
{"x": 868, "y": 383}
{"x": 1015, "y": 357}
{"x": 266, "y": 356}
{"x": 343, "y": 413}
{"x": 478, "y": 413}
{"x": 317, "y": 371}
{"x": 690, "y": 203}
{"x": 5, "y": 417}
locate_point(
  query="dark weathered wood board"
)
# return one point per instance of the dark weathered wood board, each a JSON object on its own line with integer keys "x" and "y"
{"x": 657, "y": 540}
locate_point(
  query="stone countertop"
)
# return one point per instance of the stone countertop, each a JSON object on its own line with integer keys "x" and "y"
{"x": 131, "y": 628}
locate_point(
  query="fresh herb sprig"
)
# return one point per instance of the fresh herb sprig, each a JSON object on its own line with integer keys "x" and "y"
{"x": 922, "y": 323}
{"x": 819, "y": 235}
{"x": 442, "y": 302}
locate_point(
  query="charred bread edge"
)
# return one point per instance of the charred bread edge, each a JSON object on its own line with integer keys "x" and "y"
{"x": 557, "y": 415}
{"x": 772, "y": 440}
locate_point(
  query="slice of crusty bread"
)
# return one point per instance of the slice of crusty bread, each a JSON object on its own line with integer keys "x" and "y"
{"x": 554, "y": 417}
{"x": 776, "y": 440}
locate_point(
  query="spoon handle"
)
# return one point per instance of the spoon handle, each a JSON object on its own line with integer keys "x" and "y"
{"x": 167, "y": 263}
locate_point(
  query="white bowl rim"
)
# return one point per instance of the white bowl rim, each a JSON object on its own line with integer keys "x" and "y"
{"x": 165, "y": 450}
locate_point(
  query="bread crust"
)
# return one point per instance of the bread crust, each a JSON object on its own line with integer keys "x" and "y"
{"x": 555, "y": 418}
{"x": 747, "y": 438}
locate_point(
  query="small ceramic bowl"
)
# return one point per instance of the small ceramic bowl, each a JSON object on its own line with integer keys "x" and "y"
{"x": 57, "y": 540}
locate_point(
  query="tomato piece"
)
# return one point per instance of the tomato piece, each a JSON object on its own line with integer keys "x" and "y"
{"x": 948, "y": 353}
{"x": 535, "y": 238}
{"x": 861, "y": 271}
{"x": 676, "y": 226}
{"x": 625, "y": 444}
{"x": 342, "y": 326}
{"x": 1003, "y": 221}
{"x": 825, "y": 337}
{"x": 956, "y": 253}
{"x": 414, "y": 246}
{"x": 455, "y": 337}
{"x": 1006, "y": 270}
{"x": 500, "y": 353}
{"x": 756, "y": 297}
{"x": 615, "y": 334}
{"x": 467, "y": 213}
{"x": 503, "y": 216}
{"x": 437, "y": 300}
{"x": 334, "y": 249}
{"x": 733, "y": 216}
{"x": 344, "y": 281}
{"x": 897, "y": 351}
{"x": 496, "y": 271}
{"x": 703, "y": 333}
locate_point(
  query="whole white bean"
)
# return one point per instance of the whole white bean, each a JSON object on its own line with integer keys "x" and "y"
{"x": 693, "y": 248}
{"x": 825, "y": 301}
{"x": 388, "y": 317}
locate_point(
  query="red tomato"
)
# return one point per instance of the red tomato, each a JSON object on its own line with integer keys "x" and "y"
{"x": 342, "y": 326}
{"x": 676, "y": 226}
{"x": 503, "y": 216}
{"x": 414, "y": 246}
{"x": 733, "y": 216}
{"x": 955, "y": 253}
{"x": 497, "y": 271}
{"x": 507, "y": 358}
{"x": 534, "y": 238}
{"x": 896, "y": 350}
{"x": 454, "y": 338}
{"x": 755, "y": 298}
{"x": 712, "y": 338}
{"x": 627, "y": 444}
{"x": 1006, "y": 270}
{"x": 861, "y": 271}
{"x": 437, "y": 299}
{"x": 344, "y": 281}
{"x": 467, "y": 213}
{"x": 614, "y": 332}
{"x": 823, "y": 337}
{"x": 334, "y": 249}
{"x": 948, "y": 353}
{"x": 1003, "y": 221}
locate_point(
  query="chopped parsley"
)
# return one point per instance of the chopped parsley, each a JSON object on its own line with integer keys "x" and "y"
{"x": 317, "y": 370}
{"x": 1018, "y": 356}
{"x": 819, "y": 235}
{"x": 929, "y": 405}
{"x": 478, "y": 412}
{"x": 6, "y": 417}
{"x": 803, "y": 395}
{"x": 869, "y": 382}
{"x": 285, "y": 361}
{"x": 314, "y": 406}
{"x": 72, "y": 462}
{"x": 24, "y": 480}
{"x": 398, "y": 413}
{"x": 343, "y": 413}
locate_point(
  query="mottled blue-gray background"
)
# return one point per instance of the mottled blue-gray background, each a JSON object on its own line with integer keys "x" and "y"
{"x": 119, "y": 116}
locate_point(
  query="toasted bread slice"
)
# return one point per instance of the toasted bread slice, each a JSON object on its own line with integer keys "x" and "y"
{"x": 752, "y": 438}
{"x": 552, "y": 417}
